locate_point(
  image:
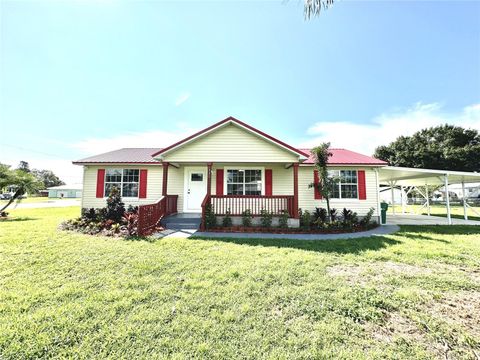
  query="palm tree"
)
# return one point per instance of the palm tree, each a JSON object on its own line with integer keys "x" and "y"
{"x": 22, "y": 181}
{"x": 314, "y": 7}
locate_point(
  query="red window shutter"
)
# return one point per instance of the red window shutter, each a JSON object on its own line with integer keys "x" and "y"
{"x": 219, "y": 187}
{"x": 100, "y": 182}
{"x": 316, "y": 181}
{"x": 268, "y": 182}
{"x": 362, "y": 189}
{"x": 142, "y": 193}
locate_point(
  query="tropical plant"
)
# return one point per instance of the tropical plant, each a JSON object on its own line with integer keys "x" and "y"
{"x": 115, "y": 206}
{"x": 227, "y": 220}
{"x": 23, "y": 182}
{"x": 266, "y": 218}
{"x": 367, "y": 219}
{"x": 305, "y": 218}
{"x": 247, "y": 218}
{"x": 283, "y": 220}
{"x": 313, "y": 8}
{"x": 320, "y": 215}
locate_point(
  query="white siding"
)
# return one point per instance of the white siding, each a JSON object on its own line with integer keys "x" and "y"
{"x": 306, "y": 199}
{"x": 231, "y": 143}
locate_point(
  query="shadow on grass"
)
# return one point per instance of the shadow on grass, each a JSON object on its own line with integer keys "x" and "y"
{"x": 341, "y": 246}
{"x": 26, "y": 218}
{"x": 455, "y": 216}
{"x": 439, "y": 229}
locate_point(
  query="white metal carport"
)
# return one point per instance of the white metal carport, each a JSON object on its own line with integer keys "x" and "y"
{"x": 419, "y": 179}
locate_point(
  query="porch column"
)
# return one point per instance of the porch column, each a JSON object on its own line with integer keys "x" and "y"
{"x": 447, "y": 200}
{"x": 295, "y": 190}
{"x": 209, "y": 178}
{"x": 165, "y": 178}
{"x": 465, "y": 216}
{"x": 428, "y": 199}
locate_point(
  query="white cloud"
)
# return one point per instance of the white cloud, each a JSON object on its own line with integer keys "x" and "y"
{"x": 386, "y": 127}
{"x": 182, "y": 98}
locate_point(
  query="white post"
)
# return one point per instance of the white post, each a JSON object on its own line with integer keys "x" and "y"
{"x": 428, "y": 199}
{"x": 378, "y": 197}
{"x": 447, "y": 201}
{"x": 403, "y": 198}
{"x": 465, "y": 216}
{"x": 393, "y": 197}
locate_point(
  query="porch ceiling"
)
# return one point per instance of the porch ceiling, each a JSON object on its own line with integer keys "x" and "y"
{"x": 420, "y": 177}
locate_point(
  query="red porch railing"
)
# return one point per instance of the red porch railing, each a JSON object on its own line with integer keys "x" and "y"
{"x": 237, "y": 204}
{"x": 149, "y": 215}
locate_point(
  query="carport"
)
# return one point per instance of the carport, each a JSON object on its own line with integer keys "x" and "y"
{"x": 392, "y": 177}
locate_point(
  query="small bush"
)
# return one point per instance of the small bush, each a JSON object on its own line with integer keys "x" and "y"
{"x": 247, "y": 218}
{"x": 227, "y": 220}
{"x": 305, "y": 219}
{"x": 131, "y": 226}
{"x": 210, "y": 218}
{"x": 320, "y": 216}
{"x": 333, "y": 215}
{"x": 283, "y": 220}
{"x": 367, "y": 218}
{"x": 115, "y": 206}
{"x": 266, "y": 218}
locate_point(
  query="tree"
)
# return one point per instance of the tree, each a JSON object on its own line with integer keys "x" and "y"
{"x": 326, "y": 182}
{"x": 47, "y": 177}
{"x": 115, "y": 207}
{"x": 314, "y": 7}
{"x": 444, "y": 147}
{"x": 22, "y": 181}
{"x": 24, "y": 166}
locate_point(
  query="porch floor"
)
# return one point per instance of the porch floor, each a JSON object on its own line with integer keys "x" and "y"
{"x": 414, "y": 219}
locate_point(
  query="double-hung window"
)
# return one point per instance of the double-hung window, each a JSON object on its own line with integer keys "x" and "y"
{"x": 244, "y": 182}
{"x": 346, "y": 184}
{"x": 125, "y": 180}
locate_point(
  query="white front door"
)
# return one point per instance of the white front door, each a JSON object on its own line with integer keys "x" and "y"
{"x": 195, "y": 188}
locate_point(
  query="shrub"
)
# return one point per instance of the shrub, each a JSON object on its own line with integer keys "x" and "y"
{"x": 132, "y": 209}
{"x": 305, "y": 219}
{"x": 320, "y": 215}
{"x": 90, "y": 215}
{"x": 131, "y": 226}
{"x": 115, "y": 207}
{"x": 333, "y": 214}
{"x": 266, "y": 218}
{"x": 283, "y": 220}
{"x": 227, "y": 220}
{"x": 210, "y": 218}
{"x": 349, "y": 217}
{"x": 367, "y": 218}
{"x": 247, "y": 218}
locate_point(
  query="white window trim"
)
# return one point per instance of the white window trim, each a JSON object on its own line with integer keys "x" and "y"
{"x": 121, "y": 183}
{"x": 340, "y": 199}
{"x": 225, "y": 176}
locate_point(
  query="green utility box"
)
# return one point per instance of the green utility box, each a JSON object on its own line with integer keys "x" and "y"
{"x": 384, "y": 208}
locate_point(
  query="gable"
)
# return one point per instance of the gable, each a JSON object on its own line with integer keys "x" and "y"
{"x": 230, "y": 143}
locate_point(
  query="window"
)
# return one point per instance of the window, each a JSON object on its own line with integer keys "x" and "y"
{"x": 196, "y": 177}
{"x": 244, "y": 182}
{"x": 346, "y": 184}
{"x": 126, "y": 180}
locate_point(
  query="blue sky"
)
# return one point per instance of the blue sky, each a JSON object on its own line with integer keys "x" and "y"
{"x": 82, "y": 77}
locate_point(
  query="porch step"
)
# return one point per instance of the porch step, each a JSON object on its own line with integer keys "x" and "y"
{"x": 183, "y": 221}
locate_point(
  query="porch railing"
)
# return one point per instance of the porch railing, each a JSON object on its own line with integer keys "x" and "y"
{"x": 149, "y": 215}
{"x": 237, "y": 204}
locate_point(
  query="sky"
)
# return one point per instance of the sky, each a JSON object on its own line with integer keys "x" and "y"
{"x": 78, "y": 78}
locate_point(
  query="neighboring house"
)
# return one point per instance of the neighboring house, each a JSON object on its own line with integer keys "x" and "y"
{"x": 472, "y": 191}
{"x": 237, "y": 166}
{"x": 65, "y": 191}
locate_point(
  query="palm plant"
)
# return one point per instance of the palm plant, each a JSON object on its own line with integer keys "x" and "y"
{"x": 23, "y": 183}
{"x": 314, "y": 7}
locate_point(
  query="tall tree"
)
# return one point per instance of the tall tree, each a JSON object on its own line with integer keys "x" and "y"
{"x": 47, "y": 177}
{"x": 313, "y": 8}
{"x": 444, "y": 147}
{"x": 24, "y": 166}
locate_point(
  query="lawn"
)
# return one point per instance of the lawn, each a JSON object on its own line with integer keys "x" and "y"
{"x": 414, "y": 294}
{"x": 39, "y": 199}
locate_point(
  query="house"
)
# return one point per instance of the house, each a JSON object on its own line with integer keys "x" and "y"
{"x": 234, "y": 167}
{"x": 65, "y": 191}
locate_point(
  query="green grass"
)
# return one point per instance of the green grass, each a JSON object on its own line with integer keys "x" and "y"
{"x": 414, "y": 294}
{"x": 440, "y": 210}
{"x": 30, "y": 200}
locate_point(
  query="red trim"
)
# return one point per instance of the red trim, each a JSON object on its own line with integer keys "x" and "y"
{"x": 165, "y": 179}
{"x": 268, "y": 182}
{"x": 232, "y": 119}
{"x": 100, "y": 183}
{"x": 316, "y": 181}
{"x": 142, "y": 193}
{"x": 219, "y": 182}
{"x": 362, "y": 189}
{"x": 209, "y": 179}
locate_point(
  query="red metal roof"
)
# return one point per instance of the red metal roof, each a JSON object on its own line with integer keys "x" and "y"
{"x": 346, "y": 157}
{"x": 145, "y": 156}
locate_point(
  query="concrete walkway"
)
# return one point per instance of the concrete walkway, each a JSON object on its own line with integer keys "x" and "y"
{"x": 414, "y": 219}
{"x": 381, "y": 230}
